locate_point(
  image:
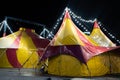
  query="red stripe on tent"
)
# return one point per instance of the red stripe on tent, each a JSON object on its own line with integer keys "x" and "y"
{"x": 82, "y": 37}
{"x": 17, "y": 41}
{"x": 73, "y": 50}
{"x": 82, "y": 53}
{"x": 12, "y": 58}
{"x": 96, "y": 24}
{"x": 67, "y": 15}
{"x": 90, "y": 51}
{"x": 39, "y": 43}
{"x": 11, "y": 53}
{"x": 4, "y": 34}
{"x": 40, "y": 52}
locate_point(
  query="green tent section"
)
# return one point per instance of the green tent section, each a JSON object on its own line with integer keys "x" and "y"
{"x": 21, "y": 49}
{"x": 99, "y": 37}
{"x": 72, "y": 53}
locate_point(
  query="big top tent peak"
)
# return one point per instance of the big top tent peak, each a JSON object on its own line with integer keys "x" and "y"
{"x": 96, "y": 24}
{"x": 68, "y": 30}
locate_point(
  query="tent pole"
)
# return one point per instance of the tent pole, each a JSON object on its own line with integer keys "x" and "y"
{"x": 27, "y": 59}
{"x": 88, "y": 70}
{"x": 60, "y": 63}
{"x": 1, "y": 26}
{"x": 109, "y": 63}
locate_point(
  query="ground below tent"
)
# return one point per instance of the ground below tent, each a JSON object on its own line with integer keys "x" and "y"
{"x": 32, "y": 74}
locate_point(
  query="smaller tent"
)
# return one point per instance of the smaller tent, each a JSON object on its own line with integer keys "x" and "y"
{"x": 21, "y": 49}
{"x": 99, "y": 37}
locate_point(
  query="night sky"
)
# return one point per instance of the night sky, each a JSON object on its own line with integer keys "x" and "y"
{"x": 47, "y": 12}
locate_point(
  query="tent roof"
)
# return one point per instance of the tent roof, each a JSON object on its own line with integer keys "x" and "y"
{"x": 70, "y": 40}
{"x": 70, "y": 34}
{"x": 23, "y": 38}
{"x": 99, "y": 37}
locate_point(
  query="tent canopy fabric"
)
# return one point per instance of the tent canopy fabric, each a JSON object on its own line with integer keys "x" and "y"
{"x": 67, "y": 40}
{"x": 72, "y": 53}
{"x": 21, "y": 49}
{"x": 27, "y": 36}
{"x": 99, "y": 37}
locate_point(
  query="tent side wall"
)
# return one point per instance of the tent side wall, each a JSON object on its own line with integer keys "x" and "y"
{"x": 4, "y": 63}
{"x": 114, "y": 57}
{"x": 19, "y": 59}
{"x": 66, "y": 65}
{"x": 27, "y": 58}
{"x": 24, "y": 51}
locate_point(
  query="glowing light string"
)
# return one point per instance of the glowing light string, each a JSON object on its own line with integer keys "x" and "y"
{"x": 49, "y": 36}
{"x": 50, "y": 33}
{"x": 79, "y": 17}
{"x": 110, "y": 34}
{"x": 81, "y": 22}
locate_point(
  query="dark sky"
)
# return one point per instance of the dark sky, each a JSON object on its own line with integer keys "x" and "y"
{"x": 47, "y": 11}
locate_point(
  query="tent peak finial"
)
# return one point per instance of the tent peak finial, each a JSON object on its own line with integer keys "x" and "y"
{"x": 67, "y": 15}
{"x": 66, "y": 8}
{"x": 95, "y": 20}
{"x": 96, "y": 24}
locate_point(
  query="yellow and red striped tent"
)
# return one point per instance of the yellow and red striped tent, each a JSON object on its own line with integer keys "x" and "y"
{"x": 99, "y": 37}
{"x": 21, "y": 49}
{"x": 72, "y": 53}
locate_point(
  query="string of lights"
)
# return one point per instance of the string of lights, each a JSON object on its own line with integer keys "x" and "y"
{"x": 50, "y": 33}
{"x": 77, "y": 18}
{"x": 55, "y": 26}
{"x": 110, "y": 34}
{"x": 81, "y": 22}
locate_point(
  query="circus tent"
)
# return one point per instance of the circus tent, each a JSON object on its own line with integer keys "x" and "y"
{"x": 72, "y": 53}
{"x": 21, "y": 49}
{"x": 99, "y": 37}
